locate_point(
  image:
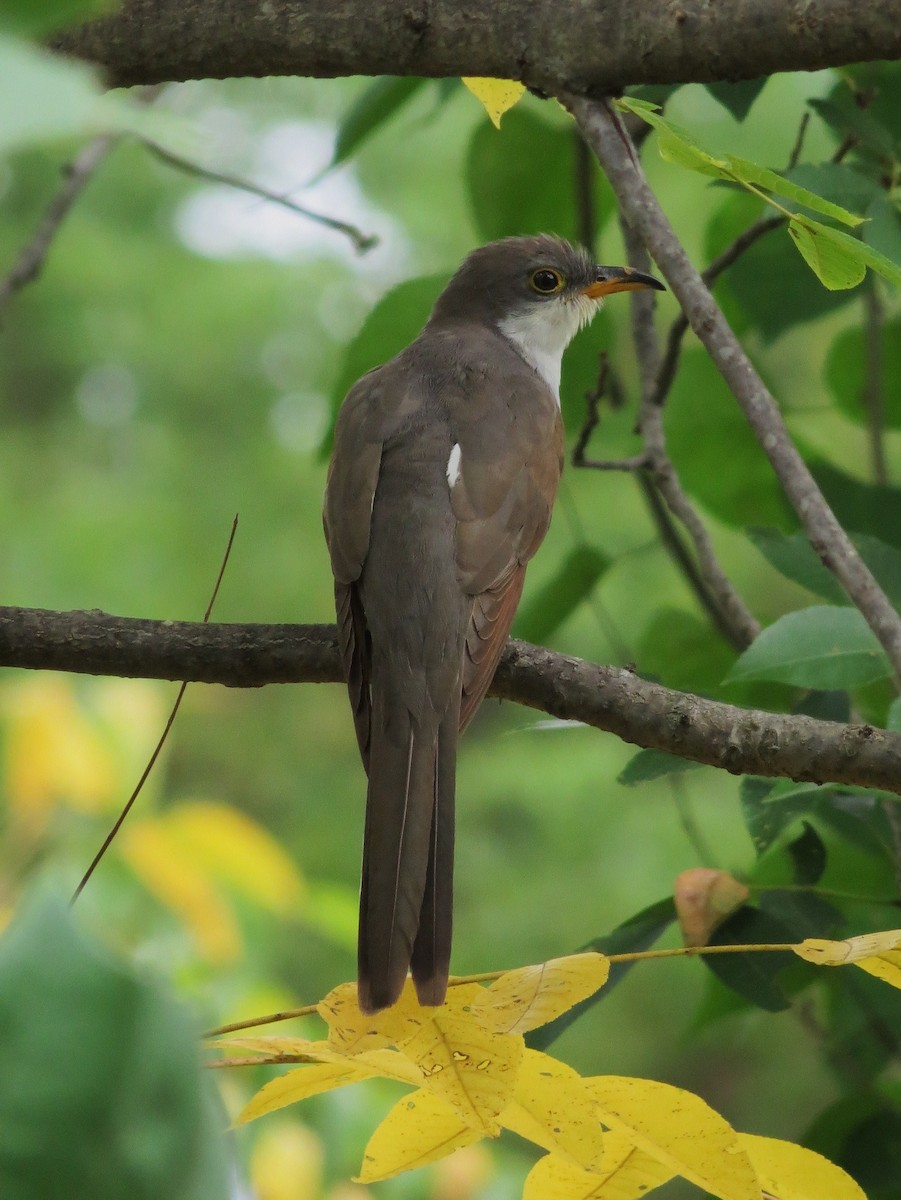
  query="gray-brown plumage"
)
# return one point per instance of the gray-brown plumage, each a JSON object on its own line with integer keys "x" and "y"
{"x": 444, "y": 473}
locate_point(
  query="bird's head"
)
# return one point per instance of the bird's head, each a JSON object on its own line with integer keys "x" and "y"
{"x": 537, "y": 291}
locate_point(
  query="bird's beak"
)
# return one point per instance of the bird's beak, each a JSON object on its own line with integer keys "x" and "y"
{"x": 620, "y": 279}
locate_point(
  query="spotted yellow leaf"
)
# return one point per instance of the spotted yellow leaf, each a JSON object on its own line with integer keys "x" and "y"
{"x": 497, "y": 95}
{"x": 352, "y": 1031}
{"x": 300, "y": 1084}
{"x": 389, "y": 1064}
{"x": 679, "y": 1130}
{"x": 877, "y": 953}
{"x": 552, "y": 1108}
{"x": 523, "y": 999}
{"x": 471, "y": 1068}
{"x": 625, "y": 1173}
{"x": 790, "y": 1172}
{"x": 419, "y": 1129}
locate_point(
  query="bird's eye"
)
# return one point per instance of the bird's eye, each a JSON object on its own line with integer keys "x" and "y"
{"x": 546, "y": 281}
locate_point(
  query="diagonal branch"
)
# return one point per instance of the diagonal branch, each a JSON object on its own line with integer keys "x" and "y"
{"x": 610, "y": 141}
{"x": 32, "y": 257}
{"x": 609, "y": 698}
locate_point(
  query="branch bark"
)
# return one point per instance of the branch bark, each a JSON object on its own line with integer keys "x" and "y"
{"x": 553, "y": 45}
{"x": 741, "y": 741}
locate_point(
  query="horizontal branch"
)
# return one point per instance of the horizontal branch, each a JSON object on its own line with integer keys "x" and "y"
{"x": 742, "y": 741}
{"x": 578, "y": 46}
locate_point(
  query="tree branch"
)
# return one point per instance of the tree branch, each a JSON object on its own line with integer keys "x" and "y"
{"x": 610, "y": 141}
{"x": 609, "y": 698}
{"x": 78, "y": 174}
{"x": 573, "y": 45}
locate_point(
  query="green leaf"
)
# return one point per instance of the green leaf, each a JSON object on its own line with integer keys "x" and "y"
{"x": 65, "y": 98}
{"x": 737, "y": 97}
{"x": 820, "y": 647}
{"x": 680, "y": 146}
{"x": 701, "y": 437}
{"x": 796, "y": 559}
{"x": 639, "y": 932}
{"x": 837, "y": 182}
{"x": 769, "y": 807}
{"x": 846, "y": 117}
{"x": 847, "y": 250}
{"x": 754, "y": 976}
{"x": 845, "y": 373}
{"x": 766, "y": 286}
{"x": 883, "y": 228}
{"x": 862, "y": 507}
{"x": 395, "y": 321}
{"x": 35, "y": 18}
{"x": 548, "y": 607}
{"x": 893, "y": 721}
{"x": 835, "y": 264}
{"x": 372, "y": 109}
{"x": 101, "y": 1092}
{"x": 808, "y": 854}
{"x": 500, "y": 178}
{"x": 653, "y": 764}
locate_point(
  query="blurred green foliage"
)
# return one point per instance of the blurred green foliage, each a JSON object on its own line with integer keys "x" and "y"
{"x": 180, "y": 359}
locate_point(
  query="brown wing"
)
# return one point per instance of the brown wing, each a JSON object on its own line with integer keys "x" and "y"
{"x": 510, "y": 464}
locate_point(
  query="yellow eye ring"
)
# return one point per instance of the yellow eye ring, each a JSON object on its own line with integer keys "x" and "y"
{"x": 546, "y": 281}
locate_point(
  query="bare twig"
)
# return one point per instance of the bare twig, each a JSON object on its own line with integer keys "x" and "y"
{"x": 611, "y": 143}
{"x": 151, "y": 762}
{"x": 873, "y": 389}
{"x": 743, "y": 741}
{"x": 711, "y": 584}
{"x": 32, "y": 257}
{"x": 362, "y": 241}
{"x": 795, "y": 157}
{"x": 583, "y": 186}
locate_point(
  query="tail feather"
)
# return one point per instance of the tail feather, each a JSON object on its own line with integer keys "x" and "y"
{"x": 402, "y": 835}
{"x": 431, "y": 951}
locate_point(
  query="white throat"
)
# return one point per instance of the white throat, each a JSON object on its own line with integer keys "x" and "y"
{"x": 542, "y": 332}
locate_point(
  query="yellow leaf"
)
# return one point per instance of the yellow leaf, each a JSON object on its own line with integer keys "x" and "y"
{"x": 53, "y": 754}
{"x": 531, "y": 996}
{"x": 625, "y": 1174}
{"x": 789, "y": 1172}
{"x": 287, "y": 1163}
{"x": 419, "y": 1129}
{"x": 552, "y": 1108}
{"x": 497, "y": 95}
{"x": 472, "y": 1069}
{"x": 168, "y": 871}
{"x": 877, "y": 953}
{"x": 390, "y": 1064}
{"x": 680, "y": 1130}
{"x": 300, "y": 1084}
{"x": 352, "y": 1031}
{"x": 238, "y": 851}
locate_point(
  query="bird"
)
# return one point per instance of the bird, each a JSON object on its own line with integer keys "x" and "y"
{"x": 445, "y": 466}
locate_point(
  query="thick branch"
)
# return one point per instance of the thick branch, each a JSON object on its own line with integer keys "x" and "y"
{"x": 581, "y": 46}
{"x": 609, "y": 139}
{"x": 609, "y": 698}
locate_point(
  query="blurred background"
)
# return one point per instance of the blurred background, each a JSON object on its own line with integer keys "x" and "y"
{"x": 179, "y": 361}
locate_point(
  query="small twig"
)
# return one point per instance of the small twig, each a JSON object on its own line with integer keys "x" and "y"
{"x": 288, "y": 1014}
{"x": 151, "y": 762}
{"x": 609, "y": 140}
{"x": 712, "y": 586}
{"x": 32, "y": 257}
{"x": 667, "y": 372}
{"x": 586, "y": 217}
{"x": 873, "y": 388}
{"x": 362, "y": 241}
{"x": 795, "y": 156}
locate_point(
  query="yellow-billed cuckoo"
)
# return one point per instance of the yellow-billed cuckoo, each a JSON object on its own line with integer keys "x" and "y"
{"x": 444, "y": 473}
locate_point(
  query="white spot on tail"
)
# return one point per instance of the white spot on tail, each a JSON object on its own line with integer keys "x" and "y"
{"x": 453, "y": 465}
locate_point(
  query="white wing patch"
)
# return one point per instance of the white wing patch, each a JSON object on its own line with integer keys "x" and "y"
{"x": 453, "y": 465}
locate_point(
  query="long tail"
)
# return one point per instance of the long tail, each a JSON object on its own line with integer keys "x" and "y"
{"x": 408, "y": 851}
